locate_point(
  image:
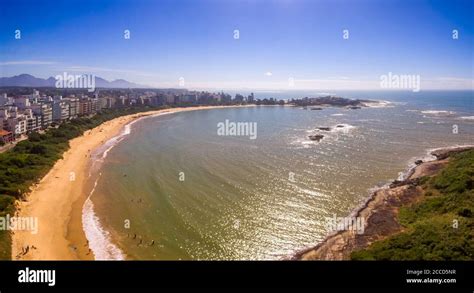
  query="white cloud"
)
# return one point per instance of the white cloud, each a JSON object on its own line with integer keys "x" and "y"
{"x": 268, "y": 73}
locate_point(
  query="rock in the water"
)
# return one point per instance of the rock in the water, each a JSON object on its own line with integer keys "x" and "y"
{"x": 316, "y": 137}
{"x": 418, "y": 162}
{"x": 316, "y": 108}
{"x": 325, "y": 128}
{"x": 339, "y": 126}
{"x": 354, "y": 107}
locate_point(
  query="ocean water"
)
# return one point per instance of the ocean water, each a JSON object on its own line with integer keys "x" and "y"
{"x": 170, "y": 187}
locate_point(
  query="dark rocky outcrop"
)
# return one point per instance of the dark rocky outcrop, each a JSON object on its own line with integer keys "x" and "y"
{"x": 325, "y": 128}
{"x": 316, "y": 137}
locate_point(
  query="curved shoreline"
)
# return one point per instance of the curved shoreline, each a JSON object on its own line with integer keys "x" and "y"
{"x": 382, "y": 204}
{"x": 99, "y": 239}
{"x": 57, "y": 201}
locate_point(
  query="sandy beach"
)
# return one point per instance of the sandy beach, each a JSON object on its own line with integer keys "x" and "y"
{"x": 57, "y": 200}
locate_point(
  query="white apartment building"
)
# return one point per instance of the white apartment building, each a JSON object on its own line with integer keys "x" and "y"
{"x": 60, "y": 111}
{"x": 13, "y": 121}
{"x": 45, "y": 111}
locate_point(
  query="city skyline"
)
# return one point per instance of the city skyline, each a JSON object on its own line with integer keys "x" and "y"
{"x": 267, "y": 45}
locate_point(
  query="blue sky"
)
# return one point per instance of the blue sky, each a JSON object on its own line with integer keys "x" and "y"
{"x": 278, "y": 40}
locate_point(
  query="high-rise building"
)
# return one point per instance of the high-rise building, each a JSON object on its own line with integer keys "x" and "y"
{"x": 33, "y": 122}
{"x": 88, "y": 106}
{"x": 73, "y": 107}
{"x": 45, "y": 111}
{"x": 60, "y": 111}
{"x": 15, "y": 124}
{"x": 250, "y": 98}
{"x": 3, "y": 99}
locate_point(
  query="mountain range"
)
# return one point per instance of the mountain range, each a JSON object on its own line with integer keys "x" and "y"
{"x": 27, "y": 80}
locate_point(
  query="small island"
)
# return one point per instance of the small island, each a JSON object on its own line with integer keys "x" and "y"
{"x": 318, "y": 103}
{"x": 331, "y": 101}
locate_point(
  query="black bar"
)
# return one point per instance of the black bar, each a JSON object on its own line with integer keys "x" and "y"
{"x": 238, "y": 274}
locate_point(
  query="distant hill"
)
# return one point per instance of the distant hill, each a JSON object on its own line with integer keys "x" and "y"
{"x": 27, "y": 80}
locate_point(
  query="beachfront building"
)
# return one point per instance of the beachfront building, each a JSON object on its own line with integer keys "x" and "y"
{"x": 110, "y": 103}
{"x": 33, "y": 122}
{"x": 88, "y": 106}
{"x": 3, "y": 99}
{"x": 45, "y": 111}
{"x": 13, "y": 121}
{"x": 6, "y": 136}
{"x": 251, "y": 98}
{"x": 120, "y": 102}
{"x": 60, "y": 111}
{"x": 16, "y": 125}
{"x": 158, "y": 100}
{"x": 95, "y": 105}
{"x": 106, "y": 103}
{"x": 141, "y": 101}
{"x": 85, "y": 107}
{"x": 170, "y": 99}
{"x": 189, "y": 98}
{"x": 73, "y": 104}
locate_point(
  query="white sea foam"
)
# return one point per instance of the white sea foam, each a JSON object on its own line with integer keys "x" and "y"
{"x": 331, "y": 134}
{"x": 99, "y": 239}
{"x": 345, "y": 128}
{"x": 341, "y": 127}
{"x": 337, "y": 114}
{"x": 379, "y": 104}
{"x": 438, "y": 112}
{"x": 467, "y": 117}
{"x": 428, "y": 157}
